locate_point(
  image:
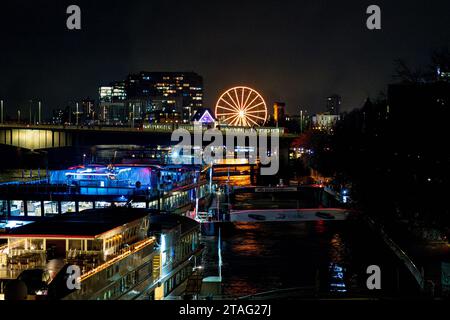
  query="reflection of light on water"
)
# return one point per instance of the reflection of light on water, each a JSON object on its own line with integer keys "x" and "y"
{"x": 240, "y": 181}
{"x": 337, "y": 250}
{"x": 246, "y": 226}
{"x": 250, "y": 244}
{"x": 336, "y": 268}
{"x": 241, "y": 285}
{"x": 248, "y": 247}
{"x": 260, "y": 257}
{"x": 320, "y": 226}
{"x": 337, "y": 281}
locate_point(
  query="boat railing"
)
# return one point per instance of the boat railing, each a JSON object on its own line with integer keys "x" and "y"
{"x": 45, "y": 188}
{"x": 34, "y": 187}
{"x": 25, "y": 181}
{"x": 402, "y": 255}
{"x": 114, "y": 259}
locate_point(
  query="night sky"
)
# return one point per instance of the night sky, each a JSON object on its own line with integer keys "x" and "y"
{"x": 294, "y": 51}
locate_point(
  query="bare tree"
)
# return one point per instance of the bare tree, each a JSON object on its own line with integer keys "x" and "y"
{"x": 404, "y": 73}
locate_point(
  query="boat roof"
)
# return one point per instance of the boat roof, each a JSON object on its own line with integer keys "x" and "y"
{"x": 90, "y": 224}
{"x": 167, "y": 221}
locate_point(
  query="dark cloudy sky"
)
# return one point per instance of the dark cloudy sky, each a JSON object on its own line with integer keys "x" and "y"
{"x": 295, "y": 51}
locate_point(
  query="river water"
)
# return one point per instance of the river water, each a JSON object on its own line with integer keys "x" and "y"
{"x": 330, "y": 257}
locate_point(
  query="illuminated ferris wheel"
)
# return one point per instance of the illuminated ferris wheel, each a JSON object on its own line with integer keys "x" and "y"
{"x": 241, "y": 106}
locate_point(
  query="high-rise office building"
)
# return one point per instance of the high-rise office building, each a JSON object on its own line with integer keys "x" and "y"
{"x": 113, "y": 93}
{"x": 146, "y": 92}
{"x": 334, "y": 104}
{"x": 180, "y": 92}
{"x": 113, "y": 107}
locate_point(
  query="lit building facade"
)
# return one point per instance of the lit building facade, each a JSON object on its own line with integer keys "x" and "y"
{"x": 180, "y": 92}
{"x": 279, "y": 112}
{"x": 324, "y": 121}
{"x": 164, "y": 116}
{"x": 113, "y": 108}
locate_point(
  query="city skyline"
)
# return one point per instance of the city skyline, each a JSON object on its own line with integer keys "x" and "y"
{"x": 283, "y": 50}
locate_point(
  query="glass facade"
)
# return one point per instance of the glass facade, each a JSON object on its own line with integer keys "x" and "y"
{"x": 68, "y": 207}
{"x": 84, "y": 205}
{"x": 38, "y": 208}
{"x": 34, "y": 208}
{"x": 3, "y": 208}
{"x": 17, "y": 208}
{"x": 51, "y": 207}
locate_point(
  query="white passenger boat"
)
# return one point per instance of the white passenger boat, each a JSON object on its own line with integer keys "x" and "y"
{"x": 288, "y": 215}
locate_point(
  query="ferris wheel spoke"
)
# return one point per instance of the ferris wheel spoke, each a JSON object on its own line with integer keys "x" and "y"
{"x": 226, "y": 108}
{"x": 236, "y": 105}
{"x": 228, "y": 114}
{"x": 246, "y": 100}
{"x": 236, "y": 118}
{"x": 231, "y": 117}
{"x": 258, "y": 117}
{"x": 242, "y": 98}
{"x": 241, "y": 121}
{"x": 254, "y": 122}
{"x": 235, "y": 121}
{"x": 254, "y": 111}
{"x": 251, "y": 102}
{"x": 254, "y": 106}
{"x": 237, "y": 98}
{"x": 231, "y": 106}
{"x": 245, "y": 121}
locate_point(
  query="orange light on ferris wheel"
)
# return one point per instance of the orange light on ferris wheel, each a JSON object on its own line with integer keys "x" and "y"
{"x": 241, "y": 106}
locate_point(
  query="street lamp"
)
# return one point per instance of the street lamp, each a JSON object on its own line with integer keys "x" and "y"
{"x": 77, "y": 114}
{"x": 39, "y": 115}
{"x": 30, "y": 120}
{"x": 301, "y": 121}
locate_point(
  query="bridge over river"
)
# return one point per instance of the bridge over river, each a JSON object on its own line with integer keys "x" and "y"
{"x": 35, "y": 137}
